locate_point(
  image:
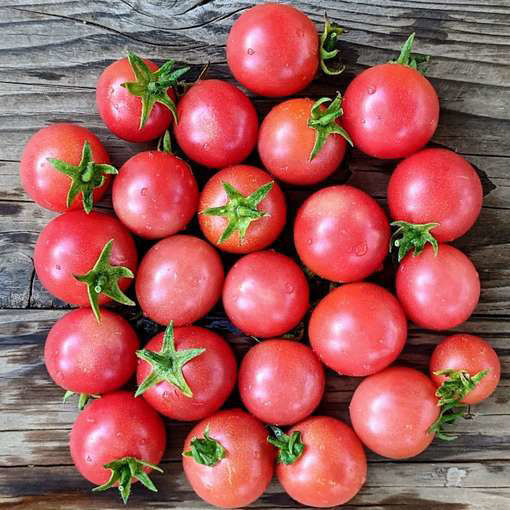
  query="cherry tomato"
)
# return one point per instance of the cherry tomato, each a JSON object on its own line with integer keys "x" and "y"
{"x": 241, "y": 465}
{"x": 218, "y": 124}
{"x": 248, "y": 218}
{"x": 180, "y": 279}
{"x": 358, "y": 329}
{"x": 341, "y": 234}
{"x": 265, "y": 294}
{"x": 392, "y": 411}
{"x": 281, "y": 381}
{"x": 438, "y": 291}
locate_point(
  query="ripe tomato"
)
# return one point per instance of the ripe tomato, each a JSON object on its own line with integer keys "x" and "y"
{"x": 113, "y": 432}
{"x": 65, "y": 166}
{"x": 391, "y": 412}
{"x": 436, "y": 186}
{"x": 179, "y": 279}
{"x": 465, "y": 353}
{"x": 332, "y": 467}
{"x": 281, "y": 381}
{"x": 341, "y": 234}
{"x": 203, "y": 375}
{"x": 227, "y": 460}
{"x": 217, "y": 125}
{"x": 242, "y": 209}
{"x": 438, "y": 291}
{"x": 265, "y": 294}
{"x": 358, "y": 329}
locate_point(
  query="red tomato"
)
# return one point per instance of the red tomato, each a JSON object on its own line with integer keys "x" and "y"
{"x": 438, "y": 291}
{"x": 281, "y": 381}
{"x": 265, "y": 294}
{"x": 155, "y": 194}
{"x": 341, "y": 234}
{"x": 49, "y": 187}
{"x": 358, "y": 329}
{"x": 241, "y": 209}
{"x": 471, "y": 354}
{"x": 211, "y": 374}
{"x": 391, "y": 412}
{"x": 218, "y": 124}
{"x": 273, "y": 50}
{"x": 332, "y": 468}
{"x": 179, "y": 279}
{"x": 242, "y": 468}
{"x": 436, "y": 186}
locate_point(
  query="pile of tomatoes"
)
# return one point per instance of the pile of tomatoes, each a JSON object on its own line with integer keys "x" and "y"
{"x": 340, "y": 233}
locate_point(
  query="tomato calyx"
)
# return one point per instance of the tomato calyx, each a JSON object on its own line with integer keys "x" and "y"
{"x": 240, "y": 210}
{"x": 328, "y": 48}
{"x": 290, "y": 448}
{"x": 165, "y": 143}
{"x": 104, "y": 278}
{"x": 412, "y": 236}
{"x": 83, "y": 398}
{"x": 409, "y": 59}
{"x": 167, "y": 364}
{"x": 206, "y": 450}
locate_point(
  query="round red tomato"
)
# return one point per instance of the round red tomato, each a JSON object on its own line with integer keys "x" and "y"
{"x": 217, "y": 125}
{"x": 281, "y": 381}
{"x": 242, "y": 209}
{"x": 265, "y": 294}
{"x": 471, "y": 354}
{"x": 180, "y": 279}
{"x": 392, "y": 411}
{"x": 47, "y": 185}
{"x": 436, "y": 186}
{"x": 358, "y": 329}
{"x": 236, "y": 461}
{"x": 438, "y": 291}
{"x": 332, "y": 468}
{"x": 155, "y": 194}
{"x": 341, "y": 234}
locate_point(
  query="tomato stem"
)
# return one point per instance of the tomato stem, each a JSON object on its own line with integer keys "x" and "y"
{"x": 412, "y": 236}
{"x": 414, "y": 60}
{"x": 290, "y": 448}
{"x": 206, "y": 450}
{"x": 328, "y": 48}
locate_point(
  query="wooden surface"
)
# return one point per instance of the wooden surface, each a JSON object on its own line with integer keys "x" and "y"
{"x": 51, "y": 52}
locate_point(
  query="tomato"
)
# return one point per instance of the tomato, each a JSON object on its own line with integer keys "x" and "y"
{"x": 74, "y": 149}
{"x": 218, "y": 124}
{"x": 155, "y": 194}
{"x": 281, "y": 381}
{"x": 180, "y": 279}
{"x": 332, "y": 467}
{"x": 438, "y": 291}
{"x": 391, "y": 412}
{"x": 204, "y": 373}
{"x": 236, "y": 461}
{"x": 358, "y": 329}
{"x": 265, "y": 294}
{"x": 436, "y": 186}
{"x": 341, "y": 234}
{"x": 113, "y": 430}
{"x": 242, "y": 209}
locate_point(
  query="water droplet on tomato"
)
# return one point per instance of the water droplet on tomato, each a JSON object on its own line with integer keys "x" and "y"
{"x": 250, "y": 51}
{"x": 361, "y": 249}
{"x": 90, "y": 419}
{"x": 308, "y": 241}
{"x": 371, "y": 90}
{"x": 363, "y": 121}
{"x": 88, "y": 458}
{"x": 58, "y": 267}
{"x": 143, "y": 192}
{"x": 289, "y": 288}
{"x": 166, "y": 394}
{"x": 300, "y": 32}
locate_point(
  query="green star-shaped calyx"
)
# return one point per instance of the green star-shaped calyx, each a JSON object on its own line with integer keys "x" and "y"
{"x": 206, "y": 450}
{"x": 290, "y": 448}
{"x": 412, "y": 236}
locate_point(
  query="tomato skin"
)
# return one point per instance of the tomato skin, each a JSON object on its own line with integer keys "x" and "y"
{"x": 390, "y": 111}
{"x": 42, "y": 181}
{"x": 114, "y": 426}
{"x": 341, "y": 234}
{"x": 391, "y": 412}
{"x": 281, "y": 381}
{"x": 286, "y": 141}
{"x": 438, "y": 292}
{"x": 155, "y": 194}
{"x": 180, "y": 278}
{"x": 472, "y": 354}
{"x": 273, "y": 50}
{"x": 70, "y": 245}
{"x": 121, "y": 111}
{"x": 265, "y": 294}
{"x": 246, "y": 179}
{"x": 436, "y": 186}
{"x": 358, "y": 329}
{"x": 244, "y": 473}
{"x": 211, "y": 133}
{"x": 332, "y": 468}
